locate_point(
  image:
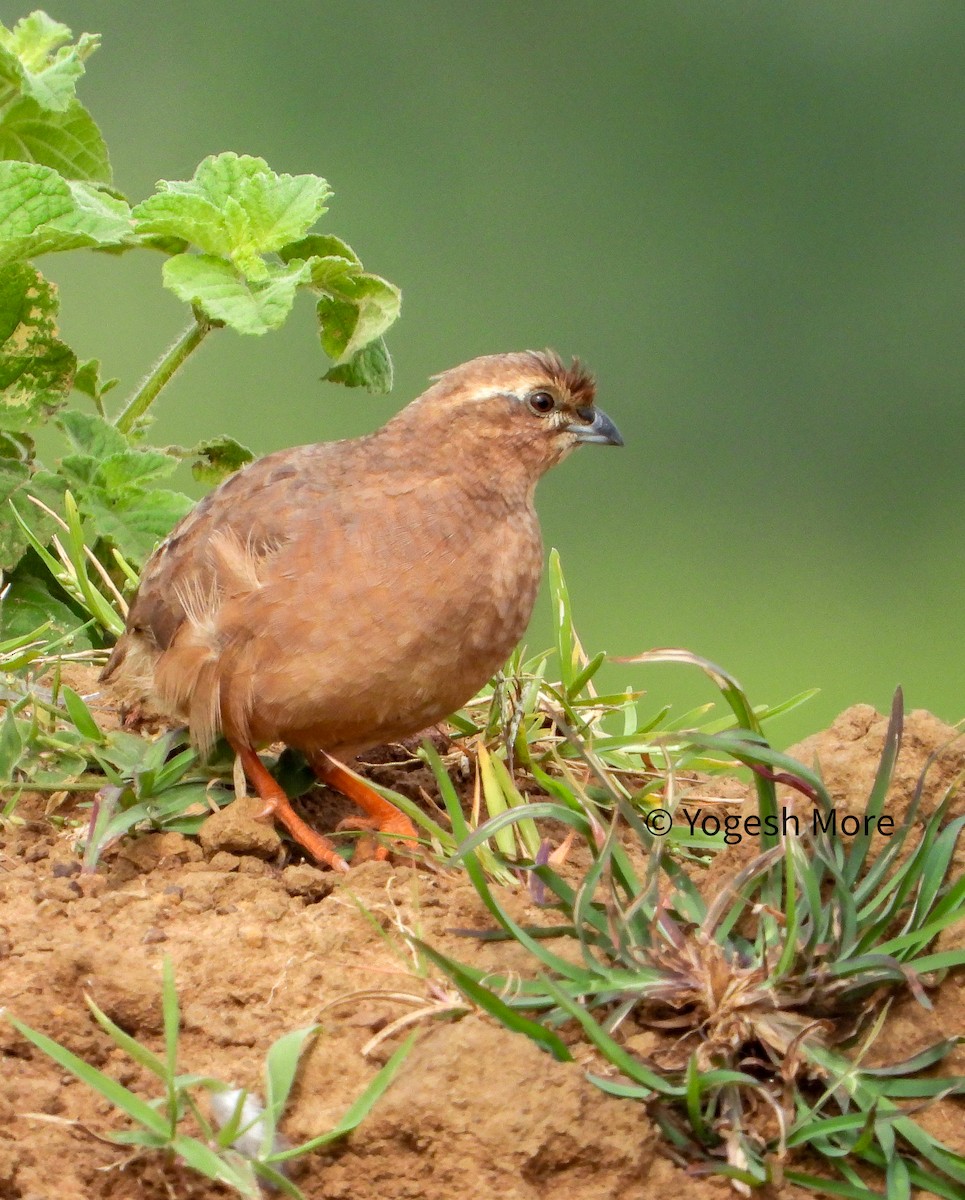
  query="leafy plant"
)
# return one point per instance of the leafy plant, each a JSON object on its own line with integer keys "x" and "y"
{"x": 239, "y": 245}
{"x": 51, "y": 742}
{"x": 541, "y": 727}
{"x": 241, "y": 1146}
{"x": 774, "y": 987}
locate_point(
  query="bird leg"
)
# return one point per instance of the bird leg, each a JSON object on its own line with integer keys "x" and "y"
{"x": 277, "y": 805}
{"x": 382, "y": 816}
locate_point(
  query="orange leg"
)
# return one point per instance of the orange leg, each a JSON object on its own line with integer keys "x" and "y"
{"x": 382, "y": 816}
{"x": 277, "y": 805}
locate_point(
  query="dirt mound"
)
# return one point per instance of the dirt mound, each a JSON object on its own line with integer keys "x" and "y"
{"x": 261, "y": 948}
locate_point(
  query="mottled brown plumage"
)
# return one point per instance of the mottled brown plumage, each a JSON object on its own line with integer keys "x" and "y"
{"x": 340, "y": 595}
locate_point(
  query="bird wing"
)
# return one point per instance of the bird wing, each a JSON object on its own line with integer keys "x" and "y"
{"x": 224, "y": 543}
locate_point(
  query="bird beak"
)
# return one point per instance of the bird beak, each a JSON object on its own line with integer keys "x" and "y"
{"x": 601, "y": 431}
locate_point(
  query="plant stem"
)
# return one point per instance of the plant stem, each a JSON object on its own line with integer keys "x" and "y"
{"x": 147, "y": 391}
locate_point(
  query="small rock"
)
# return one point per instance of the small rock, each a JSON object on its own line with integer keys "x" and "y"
{"x": 253, "y": 866}
{"x": 237, "y": 829}
{"x": 154, "y": 935}
{"x": 307, "y": 881}
{"x": 223, "y": 861}
{"x": 92, "y": 884}
{"x": 147, "y": 852}
{"x": 253, "y": 936}
{"x": 63, "y": 890}
{"x": 65, "y": 868}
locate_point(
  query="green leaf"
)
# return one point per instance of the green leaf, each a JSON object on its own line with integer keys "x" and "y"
{"x": 17, "y": 482}
{"x": 92, "y": 435}
{"x": 361, "y": 310}
{"x": 37, "y": 61}
{"x": 207, "y": 1162}
{"x": 136, "y": 1108}
{"x": 69, "y": 141}
{"x": 371, "y": 368}
{"x": 136, "y": 522}
{"x": 331, "y": 257}
{"x": 109, "y": 476}
{"x": 87, "y": 380}
{"x": 218, "y": 458}
{"x": 81, "y": 715}
{"x": 96, "y": 219}
{"x": 190, "y": 218}
{"x": 40, "y": 212}
{"x": 19, "y": 446}
{"x": 280, "y": 208}
{"x": 356, "y": 1112}
{"x": 142, "y": 1055}
{"x": 117, "y": 472}
{"x": 281, "y": 1067}
{"x": 222, "y": 294}
{"x": 11, "y": 745}
{"x": 30, "y": 196}
{"x": 489, "y": 1002}
{"x": 237, "y": 208}
{"x": 36, "y": 368}
{"x": 29, "y": 603}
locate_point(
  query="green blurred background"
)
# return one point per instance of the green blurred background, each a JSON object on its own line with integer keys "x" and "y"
{"x": 746, "y": 217}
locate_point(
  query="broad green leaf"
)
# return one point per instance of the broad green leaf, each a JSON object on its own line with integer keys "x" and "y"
{"x": 190, "y": 217}
{"x": 360, "y": 311}
{"x": 69, "y": 141}
{"x": 280, "y": 208}
{"x": 96, "y": 219}
{"x": 135, "y": 523}
{"x": 16, "y": 445}
{"x": 328, "y": 253}
{"x": 17, "y": 482}
{"x": 29, "y": 603}
{"x": 236, "y": 208}
{"x": 41, "y": 212}
{"x": 118, "y": 473}
{"x": 214, "y": 286}
{"x": 92, "y": 435}
{"x": 218, "y": 458}
{"x": 37, "y": 61}
{"x": 36, "y": 368}
{"x": 370, "y": 368}
{"x": 220, "y": 177}
{"x": 109, "y": 477}
{"x": 30, "y": 195}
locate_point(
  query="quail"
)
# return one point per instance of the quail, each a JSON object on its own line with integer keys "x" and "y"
{"x": 336, "y": 596}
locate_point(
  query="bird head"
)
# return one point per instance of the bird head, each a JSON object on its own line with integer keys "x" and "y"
{"x": 513, "y": 414}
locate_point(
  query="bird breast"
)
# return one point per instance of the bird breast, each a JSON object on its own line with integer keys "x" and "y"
{"x": 365, "y": 623}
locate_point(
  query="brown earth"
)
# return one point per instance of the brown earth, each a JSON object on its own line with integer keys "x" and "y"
{"x": 260, "y": 948}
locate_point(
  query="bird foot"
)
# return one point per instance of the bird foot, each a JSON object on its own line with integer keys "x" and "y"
{"x": 277, "y": 806}
{"x": 382, "y": 817}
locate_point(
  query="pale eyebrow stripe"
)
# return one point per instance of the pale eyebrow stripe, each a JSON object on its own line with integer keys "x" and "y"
{"x": 489, "y": 393}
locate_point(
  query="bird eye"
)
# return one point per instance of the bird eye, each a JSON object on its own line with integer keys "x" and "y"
{"x": 541, "y": 403}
